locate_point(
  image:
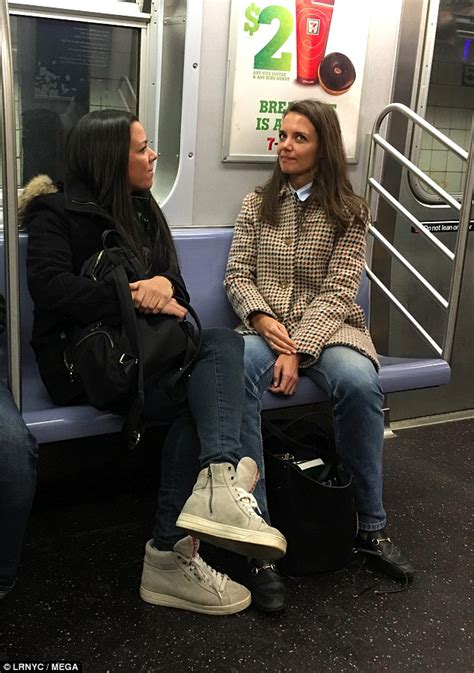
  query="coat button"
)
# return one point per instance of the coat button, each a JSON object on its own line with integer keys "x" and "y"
{"x": 284, "y": 284}
{"x": 288, "y": 241}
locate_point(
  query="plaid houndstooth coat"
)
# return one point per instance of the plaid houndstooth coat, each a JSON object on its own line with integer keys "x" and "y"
{"x": 300, "y": 272}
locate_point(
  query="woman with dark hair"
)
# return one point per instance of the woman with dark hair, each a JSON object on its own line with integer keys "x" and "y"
{"x": 292, "y": 276}
{"x": 108, "y": 179}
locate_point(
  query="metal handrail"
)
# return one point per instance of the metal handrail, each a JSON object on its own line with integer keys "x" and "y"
{"x": 401, "y": 158}
{"x": 10, "y": 205}
{"x": 418, "y": 276}
{"x": 464, "y": 208}
{"x": 404, "y": 311}
{"x": 419, "y": 226}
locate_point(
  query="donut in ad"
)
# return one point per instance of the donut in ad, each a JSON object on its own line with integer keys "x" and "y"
{"x": 336, "y": 73}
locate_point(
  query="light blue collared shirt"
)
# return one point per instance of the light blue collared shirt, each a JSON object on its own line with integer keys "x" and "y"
{"x": 303, "y": 192}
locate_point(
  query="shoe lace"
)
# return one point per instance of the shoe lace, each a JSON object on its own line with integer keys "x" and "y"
{"x": 248, "y": 501}
{"x": 205, "y": 573}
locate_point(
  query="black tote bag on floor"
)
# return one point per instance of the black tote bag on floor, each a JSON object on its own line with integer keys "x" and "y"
{"x": 310, "y": 496}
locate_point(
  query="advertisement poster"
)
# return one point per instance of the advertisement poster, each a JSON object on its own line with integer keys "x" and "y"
{"x": 289, "y": 50}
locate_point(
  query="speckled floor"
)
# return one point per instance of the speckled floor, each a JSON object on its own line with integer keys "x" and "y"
{"x": 77, "y": 594}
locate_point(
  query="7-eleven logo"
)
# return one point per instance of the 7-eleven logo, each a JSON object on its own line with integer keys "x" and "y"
{"x": 312, "y": 27}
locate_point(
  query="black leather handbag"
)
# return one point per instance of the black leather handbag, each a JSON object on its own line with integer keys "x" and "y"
{"x": 116, "y": 363}
{"x": 309, "y": 496}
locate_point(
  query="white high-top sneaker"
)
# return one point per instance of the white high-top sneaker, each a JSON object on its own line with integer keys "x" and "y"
{"x": 182, "y": 579}
{"x": 222, "y": 510}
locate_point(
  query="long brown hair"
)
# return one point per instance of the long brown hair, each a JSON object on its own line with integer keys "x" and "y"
{"x": 331, "y": 188}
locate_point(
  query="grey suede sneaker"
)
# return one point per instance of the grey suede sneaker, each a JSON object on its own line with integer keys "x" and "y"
{"x": 182, "y": 579}
{"x": 222, "y": 510}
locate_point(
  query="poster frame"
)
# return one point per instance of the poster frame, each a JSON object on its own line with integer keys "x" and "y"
{"x": 256, "y": 158}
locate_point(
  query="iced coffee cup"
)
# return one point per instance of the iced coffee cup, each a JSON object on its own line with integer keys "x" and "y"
{"x": 313, "y": 20}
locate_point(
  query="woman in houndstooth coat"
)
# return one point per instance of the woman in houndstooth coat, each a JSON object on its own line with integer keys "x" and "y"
{"x": 292, "y": 277}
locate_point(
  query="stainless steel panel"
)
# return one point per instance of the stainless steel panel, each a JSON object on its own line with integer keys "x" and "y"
{"x": 10, "y": 205}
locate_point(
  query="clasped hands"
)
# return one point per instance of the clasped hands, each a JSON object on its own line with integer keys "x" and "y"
{"x": 285, "y": 369}
{"x": 155, "y": 295}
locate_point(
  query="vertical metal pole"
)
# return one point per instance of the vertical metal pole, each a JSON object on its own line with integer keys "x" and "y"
{"x": 372, "y": 148}
{"x": 460, "y": 252}
{"x": 10, "y": 205}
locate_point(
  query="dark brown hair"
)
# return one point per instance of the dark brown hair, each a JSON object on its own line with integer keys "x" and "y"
{"x": 331, "y": 188}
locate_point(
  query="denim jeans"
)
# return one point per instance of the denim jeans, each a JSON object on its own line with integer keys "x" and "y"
{"x": 353, "y": 387}
{"x": 207, "y": 430}
{"x": 18, "y": 458}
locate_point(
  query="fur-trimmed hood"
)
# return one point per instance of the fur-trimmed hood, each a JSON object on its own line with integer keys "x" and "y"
{"x": 37, "y": 186}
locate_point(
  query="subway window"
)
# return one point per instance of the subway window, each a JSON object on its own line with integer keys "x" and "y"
{"x": 450, "y": 101}
{"x": 63, "y": 69}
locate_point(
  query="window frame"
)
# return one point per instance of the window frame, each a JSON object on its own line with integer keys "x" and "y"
{"x": 116, "y": 13}
{"x": 419, "y": 104}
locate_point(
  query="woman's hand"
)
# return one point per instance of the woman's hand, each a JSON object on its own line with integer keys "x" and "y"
{"x": 173, "y": 308}
{"x": 151, "y": 295}
{"x": 285, "y": 374}
{"x": 274, "y": 333}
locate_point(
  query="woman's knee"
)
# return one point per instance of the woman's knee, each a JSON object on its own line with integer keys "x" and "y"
{"x": 353, "y": 373}
{"x": 256, "y": 351}
{"x": 258, "y": 362}
{"x": 18, "y": 459}
{"x": 223, "y": 338}
{"x": 18, "y": 447}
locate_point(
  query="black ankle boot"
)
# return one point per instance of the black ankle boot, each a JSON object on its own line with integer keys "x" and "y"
{"x": 267, "y": 587}
{"x": 384, "y": 555}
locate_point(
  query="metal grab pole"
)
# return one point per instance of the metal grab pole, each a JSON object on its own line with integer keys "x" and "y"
{"x": 10, "y": 205}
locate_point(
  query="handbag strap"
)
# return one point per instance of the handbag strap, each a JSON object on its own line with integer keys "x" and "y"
{"x": 116, "y": 250}
{"x": 192, "y": 350}
{"x": 132, "y": 428}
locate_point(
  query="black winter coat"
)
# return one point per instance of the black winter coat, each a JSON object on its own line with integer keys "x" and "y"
{"x": 64, "y": 230}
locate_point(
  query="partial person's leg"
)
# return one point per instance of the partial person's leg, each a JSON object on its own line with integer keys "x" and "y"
{"x": 263, "y": 579}
{"x": 179, "y": 470}
{"x": 206, "y": 431}
{"x": 259, "y": 360}
{"x": 221, "y": 509}
{"x": 353, "y": 386}
{"x": 18, "y": 459}
{"x": 216, "y": 396}
{"x": 174, "y": 574}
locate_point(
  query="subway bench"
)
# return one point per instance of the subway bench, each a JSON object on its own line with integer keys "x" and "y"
{"x": 203, "y": 256}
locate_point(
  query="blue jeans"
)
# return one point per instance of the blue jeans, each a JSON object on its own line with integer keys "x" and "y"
{"x": 353, "y": 387}
{"x": 18, "y": 458}
{"x": 206, "y": 430}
